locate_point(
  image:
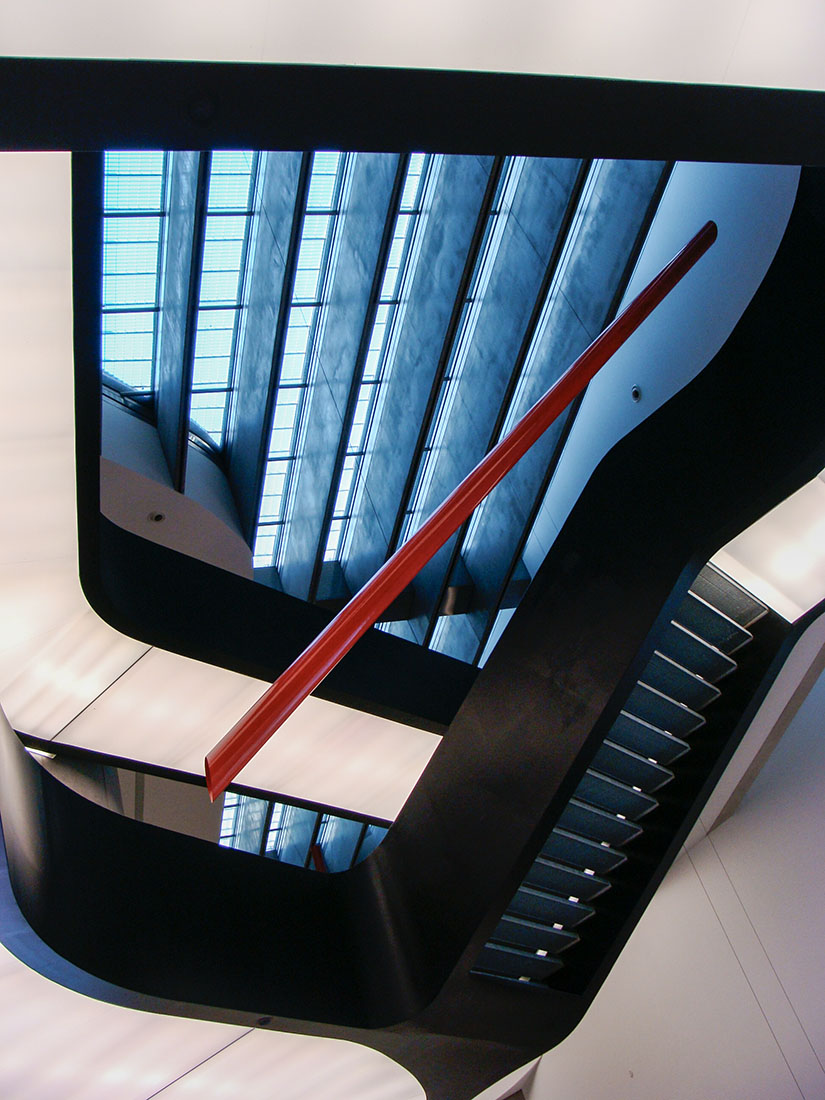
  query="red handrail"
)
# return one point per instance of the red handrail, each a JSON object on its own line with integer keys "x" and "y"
{"x": 273, "y": 708}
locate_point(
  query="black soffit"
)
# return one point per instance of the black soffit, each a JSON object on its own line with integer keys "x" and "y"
{"x": 94, "y": 104}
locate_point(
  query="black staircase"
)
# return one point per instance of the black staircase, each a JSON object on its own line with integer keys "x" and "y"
{"x": 616, "y": 799}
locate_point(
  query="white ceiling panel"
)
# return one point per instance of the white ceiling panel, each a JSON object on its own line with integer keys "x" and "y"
{"x": 341, "y": 757}
{"x": 38, "y": 599}
{"x": 154, "y": 28}
{"x": 767, "y": 42}
{"x": 170, "y": 710}
{"x": 37, "y": 483}
{"x": 67, "y": 671}
{"x": 56, "y": 1043}
{"x": 781, "y": 557}
{"x": 296, "y": 1067}
{"x": 675, "y": 1018}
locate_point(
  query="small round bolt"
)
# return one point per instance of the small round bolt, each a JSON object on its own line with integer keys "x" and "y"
{"x": 157, "y": 517}
{"x": 636, "y": 393}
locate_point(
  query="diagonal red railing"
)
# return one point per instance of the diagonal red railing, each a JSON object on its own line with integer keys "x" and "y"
{"x": 273, "y": 708}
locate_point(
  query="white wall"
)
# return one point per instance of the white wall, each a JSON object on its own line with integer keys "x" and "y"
{"x": 720, "y": 992}
{"x": 776, "y": 43}
{"x": 738, "y": 197}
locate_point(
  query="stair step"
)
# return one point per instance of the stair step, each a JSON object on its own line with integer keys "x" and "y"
{"x": 548, "y": 908}
{"x": 721, "y": 591}
{"x": 661, "y": 711}
{"x": 630, "y": 768}
{"x": 647, "y": 740}
{"x": 578, "y": 817}
{"x": 533, "y": 936}
{"x": 671, "y": 679}
{"x": 695, "y": 654}
{"x": 565, "y": 881}
{"x": 711, "y": 625}
{"x": 580, "y": 852}
{"x": 614, "y": 797}
{"x": 512, "y": 962}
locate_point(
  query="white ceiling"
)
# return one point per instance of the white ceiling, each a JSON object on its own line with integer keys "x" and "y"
{"x": 56, "y": 1044}
{"x": 776, "y": 43}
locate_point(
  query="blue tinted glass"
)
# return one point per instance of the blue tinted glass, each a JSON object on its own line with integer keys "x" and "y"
{"x": 133, "y": 184}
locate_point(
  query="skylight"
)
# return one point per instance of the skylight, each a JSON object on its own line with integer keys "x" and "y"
{"x": 229, "y": 215}
{"x": 133, "y": 215}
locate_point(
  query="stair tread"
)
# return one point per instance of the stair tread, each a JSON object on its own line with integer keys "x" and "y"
{"x": 679, "y": 683}
{"x": 711, "y": 624}
{"x": 614, "y": 797}
{"x": 630, "y": 767}
{"x": 547, "y": 874}
{"x": 531, "y": 935}
{"x": 515, "y": 963}
{"x": 694, "y": 653}
{"x": 648, "y": 740}
{"x": 578, "y": 817}
{"x": 579, "y": 851}
{"x": 660, "y": 710}
{"x": 723, "y": 592}
{"x": 541, "y": 905}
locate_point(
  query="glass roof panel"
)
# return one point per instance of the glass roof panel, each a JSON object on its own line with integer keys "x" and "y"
{"x": 133, "y": 184}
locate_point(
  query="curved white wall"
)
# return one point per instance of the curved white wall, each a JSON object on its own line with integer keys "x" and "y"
{"x": 751, "y": 205}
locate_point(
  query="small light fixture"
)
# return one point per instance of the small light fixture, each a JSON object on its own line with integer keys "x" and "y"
{"x": 39, "y": 752}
